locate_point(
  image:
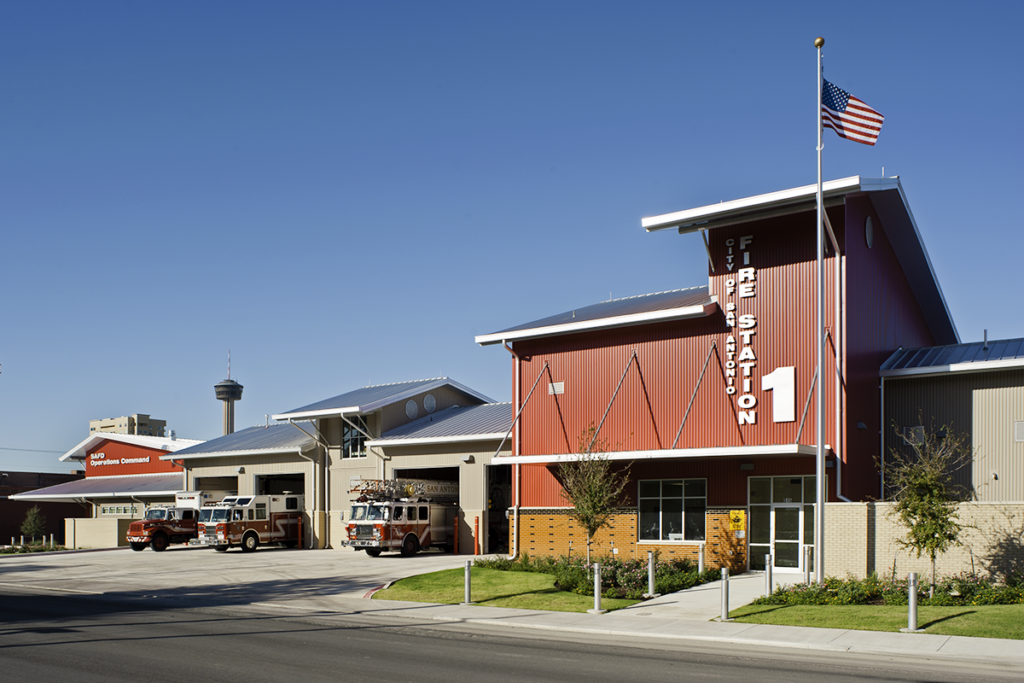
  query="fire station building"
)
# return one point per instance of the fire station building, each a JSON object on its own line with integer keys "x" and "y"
{"x": 706, "y": 394}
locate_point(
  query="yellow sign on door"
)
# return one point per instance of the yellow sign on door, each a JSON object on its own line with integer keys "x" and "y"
{"x": 737, "y": 520}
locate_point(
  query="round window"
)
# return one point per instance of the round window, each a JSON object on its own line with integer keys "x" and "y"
{"x": 429, "y": 404}
{"x": 411, "y": 409}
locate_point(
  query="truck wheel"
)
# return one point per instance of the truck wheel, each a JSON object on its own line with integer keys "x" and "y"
{"x": 221, "y": 548}
{"x": 373, "y": 552}
{"x": 410, "y": 546}
{"x": 159, "y": 543}
{"x": 137, "y": 546}
{"x": 250, "y": 542}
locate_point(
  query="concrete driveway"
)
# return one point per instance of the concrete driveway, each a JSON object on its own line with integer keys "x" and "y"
{"x": 205, "y": 576}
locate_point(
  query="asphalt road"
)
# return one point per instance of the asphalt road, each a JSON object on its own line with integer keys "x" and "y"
{"x": 46, "y": 636}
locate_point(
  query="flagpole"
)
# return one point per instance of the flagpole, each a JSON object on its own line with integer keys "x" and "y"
{"x": 819, "y": 507}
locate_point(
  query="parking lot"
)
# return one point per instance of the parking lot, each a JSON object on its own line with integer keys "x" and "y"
{"x": 201, "y": 575}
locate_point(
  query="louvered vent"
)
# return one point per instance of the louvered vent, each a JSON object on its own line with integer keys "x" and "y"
{"x": 556, "y": 388}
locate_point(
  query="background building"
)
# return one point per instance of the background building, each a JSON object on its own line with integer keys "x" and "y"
{"x": 139, "y": 424}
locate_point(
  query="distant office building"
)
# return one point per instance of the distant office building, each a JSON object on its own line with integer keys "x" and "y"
{"x": 138, "y": 424}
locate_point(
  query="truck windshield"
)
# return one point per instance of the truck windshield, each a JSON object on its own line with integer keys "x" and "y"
{"x": 375, "y": 512}
{"x": 220, "y": 515}
{"x": 204, "y": 515}
{"x": 156, "y": 514}
{"x": 358, "y": 513}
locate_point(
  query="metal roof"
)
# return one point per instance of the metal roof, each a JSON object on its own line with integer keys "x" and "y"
{"x": 891, "y": 205}
{"x": 160, "y": 443}
{"x": 676, "y": 304}
{"x": 125, "y": 486}
{"x": 276, "y": 438}
{"x": 971, "y": 357}
{"x": 468, "y": 423}
{"x": 371, "y": 398}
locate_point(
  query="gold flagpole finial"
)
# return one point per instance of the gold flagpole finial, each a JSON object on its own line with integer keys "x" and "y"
{"x": 818, "y": 42}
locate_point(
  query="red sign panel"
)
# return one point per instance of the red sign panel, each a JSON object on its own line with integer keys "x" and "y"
{"x": 115, "y": 457}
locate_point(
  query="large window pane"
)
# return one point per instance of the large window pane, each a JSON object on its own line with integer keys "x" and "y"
{"x": 650, "y": 489}
{"x": 760, "y": 523}
{"x": 671, "y": 489}
{"x": 694, "y": 520}
{"x": 695, "y": 488}
{"x": 672, "y": 519}
{"x": 760, "y": 490}
{"x": 788, "y": 490}
{"x": 650, "y": 520}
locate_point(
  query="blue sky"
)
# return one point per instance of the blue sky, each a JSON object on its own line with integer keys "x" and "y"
{"x": 346, "y": 193}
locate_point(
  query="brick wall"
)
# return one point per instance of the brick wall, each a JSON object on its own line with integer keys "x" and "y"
{"x": 861, "y": 538}
{"x": 553, "y": 532}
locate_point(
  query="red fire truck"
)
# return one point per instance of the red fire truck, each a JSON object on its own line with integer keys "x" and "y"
{"x": 249, "y": 521}
{"x": 403, "y": 514}
{"x": 166, "y": 524}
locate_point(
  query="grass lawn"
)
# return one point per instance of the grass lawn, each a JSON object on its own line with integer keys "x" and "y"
{"x": 523, "y": 590}
{"x": 982, "y": 621}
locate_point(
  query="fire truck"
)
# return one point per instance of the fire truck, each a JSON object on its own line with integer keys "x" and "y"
{"x": 402, "y": 514}
{"x": 250, "y": 521}
{"x": 166, "y": 524}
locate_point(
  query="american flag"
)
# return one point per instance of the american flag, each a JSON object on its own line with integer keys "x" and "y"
{"x": 849, "y": 117}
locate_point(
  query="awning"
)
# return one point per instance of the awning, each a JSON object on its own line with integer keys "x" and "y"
{"x": 128, "y": 486}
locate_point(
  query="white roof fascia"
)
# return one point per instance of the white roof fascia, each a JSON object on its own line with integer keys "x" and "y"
{"x": 600, "y": 323}
{"x": 750, "y": 205}
{"x": 229, "y": 454}
{"x": 158, "y": 443}
{"x": 719, "y": 452}
{"x": 426, "y": 440}
{"x": 370, "y": 407}
{"x": 313, "y": 414}
{"x": 977, "y": 366}
{"x": 77, "y": 496}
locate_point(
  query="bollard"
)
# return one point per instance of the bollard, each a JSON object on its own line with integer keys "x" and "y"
{"x": 468, "y": 593}
{"x": 51, "y": 540}
{"x": 700, "y": 559}
{"x": 597, "y": 591}
{"x": 912, "y": 605}
{"x": 807, "y": 565}
{"x": 725, "y": 595}
{"x": 650, "y": 573}
{"x": 769, "y": 586}
{"x": 22, "y": 541}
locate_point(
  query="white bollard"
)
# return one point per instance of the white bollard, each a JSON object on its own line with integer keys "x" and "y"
{"x": 725, "y": 594}
{"x": 700, "y": 559}
{"x": 468, "y": 592}
{"x": 650, "y": 573}
{"x": 51, "y": 540}
{"x": 807, "y": 565}
{"x": 769, "y": 586}
{"x": 597, "y": 591}
{"x": 22, "y": 541}
{"x": 912, "y": 605}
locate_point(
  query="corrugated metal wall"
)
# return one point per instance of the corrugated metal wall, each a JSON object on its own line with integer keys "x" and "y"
{"x": 653, "y": 398}
{"x": 985, "y": 406}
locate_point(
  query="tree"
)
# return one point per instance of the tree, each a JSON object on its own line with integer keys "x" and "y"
{"x": 921, "y": 484}
{"x": 590, "y": 485}
{"x": 34, "y": 524}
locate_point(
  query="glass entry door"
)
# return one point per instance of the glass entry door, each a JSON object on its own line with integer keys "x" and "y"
{"x": 780, "y": 521}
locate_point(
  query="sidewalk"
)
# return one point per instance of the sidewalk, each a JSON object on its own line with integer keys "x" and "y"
{"x": 686, "y": 616}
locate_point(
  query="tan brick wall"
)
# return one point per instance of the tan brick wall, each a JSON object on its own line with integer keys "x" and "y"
{"x": 862, "y": 537}
{"x": 553, "y": 532}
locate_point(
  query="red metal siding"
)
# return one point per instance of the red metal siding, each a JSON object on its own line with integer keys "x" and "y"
{"x": 118, "y": 455}
{"x": 653, "y": 398}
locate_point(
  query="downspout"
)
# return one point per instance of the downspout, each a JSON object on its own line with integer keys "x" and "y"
{"x": 515, "y": 451}
{"x": 184, "y": 468}
{"x": 312, "y": 464}
{"x": 319, "y": 439}
{"x": 881, "y": 444}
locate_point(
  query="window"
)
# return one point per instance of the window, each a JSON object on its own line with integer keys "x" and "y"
{"x": 398, "y": 513}
{"x": 261, "y": 511}
{"x": 424, "y": 513}
{"x": 673, "y": 509}
{"x": 353, "y": 441}
{"x": 293, "y": 504}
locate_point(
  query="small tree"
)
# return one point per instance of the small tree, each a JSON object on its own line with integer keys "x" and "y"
{"x": 34, "y": 524}
{"x": 590, "y": 485}
{"x": 920, "y": 482}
